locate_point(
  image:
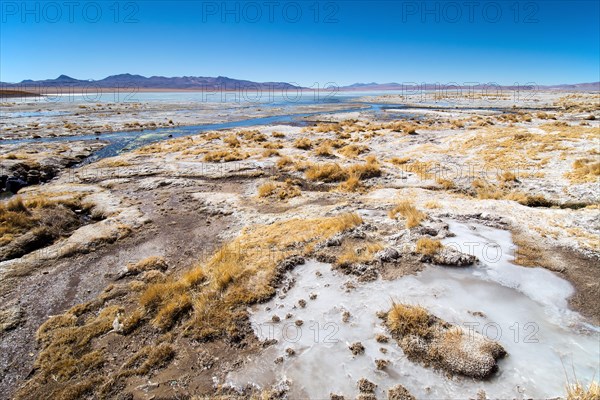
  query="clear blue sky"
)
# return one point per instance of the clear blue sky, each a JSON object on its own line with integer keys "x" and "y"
{"x": 545, "y": 42}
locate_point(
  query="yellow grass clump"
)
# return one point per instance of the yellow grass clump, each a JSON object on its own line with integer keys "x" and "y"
{"x": 584, "y": 170}
{"x": 252, "y": 136}
{"x": 432, "y": 204}
{"x": 409, "y": 212}
{"x": 353, "y": 150}
{"x": 428, "y": 246}
{"x": 224, "y": 155}
{"x": 399, "y": 160}
{"x": 577, "y": 391}
{"x": 324, "y": 150}
{"x": 232, "y": 141}
{"x": 329, "y": 172}
{"x": 447, "y": 184}
{"x": 303, "y": 143}
{"x": 409, "y": 320}
{"x": 279, "y": 190}
{"x": 270, "y": 153}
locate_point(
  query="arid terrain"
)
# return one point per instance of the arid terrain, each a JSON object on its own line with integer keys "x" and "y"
{"x": 387, "y": 233}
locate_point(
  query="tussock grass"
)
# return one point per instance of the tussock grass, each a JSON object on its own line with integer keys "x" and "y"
{"x": 428, "y": 246}
{"x": 421, "y": 168}
{"x": 252, "y": 136}
{"x": 409, "y": 212}
{"x": 224, "y": 155}
{"x": 278, "y": 135}
{"x": 284, "y": 161}
{"x": 148, "y": 358}
{"x": 353, "y": 150}
{"x": 303, "y": 143}
{"x": 577, "y": 391}
{"x": 447, "y": 184}
{"x": 432, "y": 204}
{"x": 584, "y": 170}
{"x": 272, "y": 145}
{"x": 328, "y": 172}
{"x": 399, "y": 160}
{"x": 147, "y": 264}
{"x": 405, "y": 320}
{"x": 352, "y": 184}
{"x": 370, "y": 169}
{"x": 328, "y": 127}
{"x": 270, "y": 153}
{"x": 324, "y": 150}
{"x": 279, "y": 190}
{"x": 232, "y": 141}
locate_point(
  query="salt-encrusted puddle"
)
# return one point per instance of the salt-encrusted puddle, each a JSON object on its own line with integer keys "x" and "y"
{"x": 524, "y": 309}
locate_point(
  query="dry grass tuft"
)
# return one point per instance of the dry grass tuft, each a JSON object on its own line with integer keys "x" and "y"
{"x": 409, "y": 320}
{"x": 584, "y": 170}
{"x": 577, "y": 391}
{"x": 370, "y": 169}
{"x": 284, "y": 161}
{"x": 399, "y": 160}
{"x": 409, "y": 212}
{"x": 224, "y": 156}
{"x": 432, "y": 204}
{"x": 447, "y": 184}
{"x": 270, "y": 153}
{"x": 352, "y": 184}
{"x": 329, "y": 172}
{"x": 147, "y": 264}
{"x": 232, "y": 141}
{"x": 252, "y": 136}
{"x": 428, "y": 246}
{"x": 324, "y": 150}
{"x": 303, "y": 143}
{"x": 279, "y": 190}
{"x": 353, "y": 150}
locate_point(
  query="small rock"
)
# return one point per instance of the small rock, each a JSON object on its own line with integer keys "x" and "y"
{"x": 366, "y": 386}
{"x": 381, "y": 364}
{"x": 302, "y": 303}
{"x": 346, "y": 316}
{"x": 275, "y": 318}
{"x": 357, "y": 348}
{"x": 383, "y": 350}
{"x": 399, "y": 392}
{"x": 312, "y": 296}
{"x": 288, "y": 315}
{"x": 299, "y": 322}
{"x": 387, "y": 255}
{"x": 381, "y": 338}
{"x": 333, "y": 396}
{"x": 290, "y": 352}
{"x": 278, "y": 360}
{"x": 451, "y": 257}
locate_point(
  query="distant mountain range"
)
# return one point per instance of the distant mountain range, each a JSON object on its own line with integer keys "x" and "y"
{"x": 592, "y": 86}
{"x": 154, "y": 82}
{"x": 225, "y": 83}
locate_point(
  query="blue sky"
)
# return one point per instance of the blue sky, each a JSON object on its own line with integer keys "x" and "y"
{"x": 545, "y": 42}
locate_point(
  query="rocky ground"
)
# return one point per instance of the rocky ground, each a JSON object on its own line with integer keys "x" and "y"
{"x": 147, "y": 295}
